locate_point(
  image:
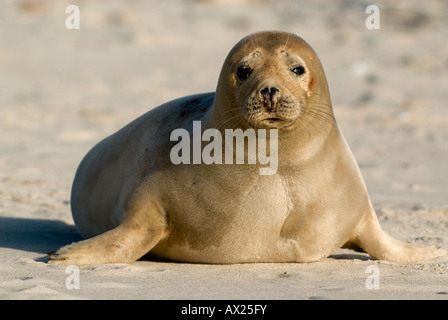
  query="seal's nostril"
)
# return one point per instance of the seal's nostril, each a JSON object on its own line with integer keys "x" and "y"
{"x": 264, "y": 92}
{"x": 269, "y": 91}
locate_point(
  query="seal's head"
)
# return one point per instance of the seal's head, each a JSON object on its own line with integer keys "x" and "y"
{"x": 275, "y": 80}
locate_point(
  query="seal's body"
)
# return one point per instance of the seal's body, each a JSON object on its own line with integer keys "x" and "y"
{"x": 130, "y": 199}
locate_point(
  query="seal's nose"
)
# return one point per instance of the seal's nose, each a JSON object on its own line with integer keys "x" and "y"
{"x": 270, "y": 97}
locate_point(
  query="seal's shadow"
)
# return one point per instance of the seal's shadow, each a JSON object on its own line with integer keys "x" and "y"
{"x": 351, "y": 256}
{"x": 36, "y": 235}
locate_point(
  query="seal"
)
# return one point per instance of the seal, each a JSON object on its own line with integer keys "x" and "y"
{"x": 129, "y": 199}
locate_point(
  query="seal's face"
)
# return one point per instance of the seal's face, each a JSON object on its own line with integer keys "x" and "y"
{"x": 273, "y": 77}
{"x": 271, "y": 87}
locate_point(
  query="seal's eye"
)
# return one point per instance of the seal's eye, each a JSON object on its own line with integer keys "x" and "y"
{"x": 299, "y": 70}
{"x": 243, "y": 72}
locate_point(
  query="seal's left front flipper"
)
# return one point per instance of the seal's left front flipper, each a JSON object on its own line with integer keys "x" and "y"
{"x": 124, "y": 244}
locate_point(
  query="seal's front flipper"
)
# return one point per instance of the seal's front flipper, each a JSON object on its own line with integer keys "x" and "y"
{"x": 372, "y": 239}
{"x": 124, "y": 244}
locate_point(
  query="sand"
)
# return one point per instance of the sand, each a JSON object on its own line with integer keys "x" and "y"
{"x": 61, "y": 91}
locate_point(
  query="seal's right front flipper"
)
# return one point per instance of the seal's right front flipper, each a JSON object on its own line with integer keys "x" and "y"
{"x": 124, "y": 244}
{"x": 372, "y": 239}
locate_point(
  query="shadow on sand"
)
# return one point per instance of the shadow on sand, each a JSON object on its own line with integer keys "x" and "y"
{"x": 36, "y": 235}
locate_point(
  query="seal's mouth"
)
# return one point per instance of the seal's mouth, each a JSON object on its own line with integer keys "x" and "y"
{"x": 271, "y": 122}
{"x": 273, "y": 119}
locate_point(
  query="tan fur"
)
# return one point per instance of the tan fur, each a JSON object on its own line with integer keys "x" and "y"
{"x": 129, "y": 199}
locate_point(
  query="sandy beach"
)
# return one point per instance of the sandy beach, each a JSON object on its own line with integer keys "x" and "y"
{"x": 62, "y": 91}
